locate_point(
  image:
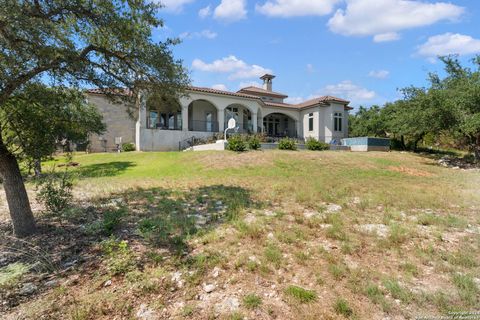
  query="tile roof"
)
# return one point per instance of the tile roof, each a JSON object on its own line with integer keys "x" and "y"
{"x": 305, "y": 104}
{"x": 222, "y": 92}
{"x": 322, "y": 100}
{"x": 256, "y": 90}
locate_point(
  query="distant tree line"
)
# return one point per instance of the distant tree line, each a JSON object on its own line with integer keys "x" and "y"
{"x": 446, "y": 112}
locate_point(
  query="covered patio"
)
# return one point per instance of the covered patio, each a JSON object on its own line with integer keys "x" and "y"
{"x": 279, "y": 125}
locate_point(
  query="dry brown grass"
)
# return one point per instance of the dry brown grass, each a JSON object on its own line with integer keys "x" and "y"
{"x": 288, "y": 235}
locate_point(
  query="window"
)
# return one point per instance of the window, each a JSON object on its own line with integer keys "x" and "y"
{"x": 337, "y": 121}
{"x": 152, "y": 120}
{"x": 310, "y": 122}
{"x": 209, "y": 122}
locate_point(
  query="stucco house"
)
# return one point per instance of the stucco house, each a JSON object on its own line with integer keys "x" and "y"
{"x": 204, "y": 112}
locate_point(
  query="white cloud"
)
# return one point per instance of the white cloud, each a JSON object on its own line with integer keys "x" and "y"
{"x": 383, "y": 19}
{"x": 245, "y": 84}
{"x": 237, "y": 69}
{"x": 206, "y": 34}
{"x": 205, "y": 12}
{"x": 449, "y": 43}
{"x": 175, "y": 5}
{"x": 220, "y": 87}
{"x": 386, "y": 37}
{"x": 350, "y": 91}
{"x": 295, "y": 8}
{"x": 379, "y": 74}
{"x": 231, "y": 10}
{"x": 310, "y": 68}
{"x": 294, "y": 100}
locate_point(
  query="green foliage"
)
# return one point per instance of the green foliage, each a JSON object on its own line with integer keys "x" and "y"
{"x": 120, "y": 258}
{"x": 342, "y": 307}
{"x": 37, "y": 118}
{"x": 55, "y": 192}
{"x": 448, "y": 107}
{"x": 237, "y": 143}
{"x": 300, "y": 294}
{"x": 368, "y": 122}
{"x": 128, "y": 147}
{"x": 397, "y": 291}
{"x": 467, "y": 289}
{"x": 252, "y": 301}
{"x": 254, "y": 143}
{"x": 12, "y": 273}
{"x": 287, "y": 144}
{"x": 273, "y": 255}
{"x": 315, "y": 145}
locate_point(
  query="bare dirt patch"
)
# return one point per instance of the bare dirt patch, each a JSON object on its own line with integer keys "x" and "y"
{"x": 411, "y": 171}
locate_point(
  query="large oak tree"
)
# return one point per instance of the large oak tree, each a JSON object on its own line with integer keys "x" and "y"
{"x": 101, "y": 43}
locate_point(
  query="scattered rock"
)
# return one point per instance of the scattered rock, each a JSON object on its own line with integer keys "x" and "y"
{"x": 145, "y": 313}
{"x": 216, "y": 272}
{"x": 208, "y": 288}
{"x": 379, "y": 229}
{"x": 270, "y": 236}
{"x": 250, "y": 218}
{"x": 356, "y": 200}
{"x": 52, "y": 283}
{"x": 308, "y": 214}
{"x": 269, "y": 213}
{"x": 332, "y": 208}
{"x": 28, "y": 289}
{"x": 228, "y": 305}
{"x": 177, "y": 278}
{"x": 107, "y": 283}
{"x": 70, "y": 264}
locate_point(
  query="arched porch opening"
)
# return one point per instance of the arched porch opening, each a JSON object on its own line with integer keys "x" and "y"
{"x": 243, "y": 117}
{"x": 163, "y": 113}
{"x": 279, "y": 125}
{"x": 202, "y": 116}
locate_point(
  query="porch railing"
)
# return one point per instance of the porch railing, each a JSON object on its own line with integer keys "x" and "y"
{"x": 203, "y": 126}
{"x": 152, "y": 125}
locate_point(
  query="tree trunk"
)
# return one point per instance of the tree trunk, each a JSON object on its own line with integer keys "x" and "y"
{"x": 17, "y": 198}
{"x": 476, "y": 150}
{"x": 37, "y": 167}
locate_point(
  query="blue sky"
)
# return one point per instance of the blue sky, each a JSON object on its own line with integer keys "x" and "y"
{"x": 361, "y": 50}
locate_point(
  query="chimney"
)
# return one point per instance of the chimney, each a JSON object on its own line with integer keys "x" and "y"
{"x": 267, "y": 81}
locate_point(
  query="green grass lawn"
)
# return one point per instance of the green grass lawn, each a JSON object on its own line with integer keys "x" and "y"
{"x": 356, "y": 235}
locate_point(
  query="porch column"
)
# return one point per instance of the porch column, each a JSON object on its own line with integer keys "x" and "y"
{"x": 297, "y": 127}
{"x": 221, "y": 120}
{"x": 255, "y": 122}
{"x": 184, "y": 118}
{"x": 141, "y": 123}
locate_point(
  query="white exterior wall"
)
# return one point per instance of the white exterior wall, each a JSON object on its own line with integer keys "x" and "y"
{"x": 316, "y": 123}
{"x": 329, "y": 111}
{"x": 119, "y": 123}
{"x": 167, "y": 140}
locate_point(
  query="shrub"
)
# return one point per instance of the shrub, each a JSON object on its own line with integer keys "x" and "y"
{"x": 128, "y": 147}
{"x": 56, "y": 192}
{"x": 120, "y": 257}
{"x": 300, "y": 294}
{"x": 315, "y": 145}
{"x": 287, "y": 144}
{"x": 273, "y": 255}
{"x": 341, "y": 307}
{"x": 236, "y": 143}
{"x": 254, "y": 143}
{"x": 252, "y": 301}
